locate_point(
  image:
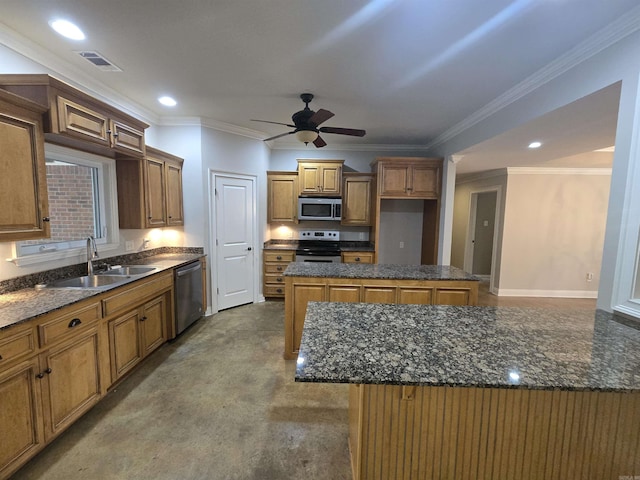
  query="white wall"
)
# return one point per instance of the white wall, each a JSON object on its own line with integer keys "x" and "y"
{"x": 401, "y": 232}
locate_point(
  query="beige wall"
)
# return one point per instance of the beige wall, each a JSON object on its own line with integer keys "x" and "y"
{"x": 495, "y": 180}
{"x": 553, "y": 233}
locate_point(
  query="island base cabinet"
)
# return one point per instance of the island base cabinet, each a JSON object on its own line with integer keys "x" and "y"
{"x": 297, "y": 294}
{"x": 409, "y": 432}
{"x": 20, "y": 416}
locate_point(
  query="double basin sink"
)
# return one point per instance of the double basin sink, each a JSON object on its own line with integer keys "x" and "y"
{"x": 103, "y": 279}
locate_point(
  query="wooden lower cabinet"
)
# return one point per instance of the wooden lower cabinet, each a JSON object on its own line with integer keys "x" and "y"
{"x": 135, "y": 334}
{"x": 274, "y": 263}
{"x": 473, "y": 433}
{"x": 300, "y": 290}
{"x": 357, "y": 257}
{"x": 20, "y": 416}
{"x": 71, "y": 382}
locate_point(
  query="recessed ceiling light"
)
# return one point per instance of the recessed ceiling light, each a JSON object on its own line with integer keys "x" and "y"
{"x": 67, "y": 29}
{"x": 167, "y": 101}
{"x": 535, "y": 145}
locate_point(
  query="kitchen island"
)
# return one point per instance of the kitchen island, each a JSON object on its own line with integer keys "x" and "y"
{"x": 480, "y": 392}
{"x": 369, "y": 283}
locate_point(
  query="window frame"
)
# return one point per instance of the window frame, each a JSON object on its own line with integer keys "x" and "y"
{"x": 107, "y": 208}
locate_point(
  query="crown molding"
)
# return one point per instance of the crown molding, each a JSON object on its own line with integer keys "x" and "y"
{"x": 557, "y": 171}
{"x": 609, "y": 35}
{"x": 473, "y": 177}
{"x": 71, "y": 74}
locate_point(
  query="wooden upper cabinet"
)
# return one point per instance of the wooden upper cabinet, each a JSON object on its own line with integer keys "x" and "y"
{"x": 356, "y": 199}
{"x": 78, "y": 120}
{"x": 282, "y": 197}
{"x": 402, "y": 177}
{"x": 23, "y": 186}
{"x": 322, "y": 178}
{"x": 150, "y": 190}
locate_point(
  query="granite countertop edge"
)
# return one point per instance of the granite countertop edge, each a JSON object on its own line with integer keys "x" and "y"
{"x": 27, "y": 304}
{"x": 378, "y": 271}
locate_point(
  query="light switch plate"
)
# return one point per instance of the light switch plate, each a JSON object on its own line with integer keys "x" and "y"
{"x": 128, "y": 245}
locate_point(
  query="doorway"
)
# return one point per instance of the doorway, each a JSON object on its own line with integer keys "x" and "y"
{"x": 482, "y": 231}
{"x": 233, "y": 208}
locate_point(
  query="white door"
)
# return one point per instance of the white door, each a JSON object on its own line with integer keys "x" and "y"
{"x": 234, "y": 241}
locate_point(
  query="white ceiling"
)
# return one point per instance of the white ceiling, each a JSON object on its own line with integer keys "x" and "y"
{"x": 404, "y": 70}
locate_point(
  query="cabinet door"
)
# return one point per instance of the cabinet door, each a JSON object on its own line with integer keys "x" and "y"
{"x": 282, "y": 198}
{"x": 343, "y": 292}
{"x": 393, "y": 180}
{"x": 20, "y": 416}
{"x": 79, "y": 121}
{"x": 175, "y": 214}
{"x": 71, "y": 384}
{"x": 153, "y": 325}
{"x": 155, "y": 193}
{"x": 309, "y": 178}
{"x": 453, "y": 296}
{"x": 415, "y": 295}
{"x": 23, "y": 188}
{"x": 331, "y": 179}
{"x": 356, "y": 200}
{"x": 378, "y": 294}
{"x": 124, "y": 343}
{"x": 126, "y": 138}
{"x": 297, "y": 295}
{"x": 425, "y": 181}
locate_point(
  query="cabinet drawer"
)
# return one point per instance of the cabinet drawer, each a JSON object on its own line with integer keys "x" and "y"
{"x": 279, "y": 256}
{"x": 277, "y": 268}
{"x": 17, "y": 345}
{"x": 275, "y": 279}
{"x": 79, "y": 121}
{"x": 271, "y": 290}
{"x": 66, "y": 324}
{"x": 357, "y": 257}
{"x": 134, "y": 295}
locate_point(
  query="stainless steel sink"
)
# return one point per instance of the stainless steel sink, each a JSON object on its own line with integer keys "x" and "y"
{"x": 87, "y": 281}
{"x": 128, "y": 270}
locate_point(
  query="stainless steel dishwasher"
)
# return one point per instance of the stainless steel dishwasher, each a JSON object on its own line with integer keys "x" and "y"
{"x": 188, "y": 291}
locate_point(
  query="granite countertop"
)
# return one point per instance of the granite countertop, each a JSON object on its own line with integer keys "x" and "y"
{"x": 28, "y": 303}
{"x": 377, "y": 271}
{"x": 504, "y": 347}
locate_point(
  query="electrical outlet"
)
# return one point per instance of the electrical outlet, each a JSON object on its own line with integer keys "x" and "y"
{"x": 128, "y": 245}
{"x": 401, "y": 244}
{"x": 589, "y": 276}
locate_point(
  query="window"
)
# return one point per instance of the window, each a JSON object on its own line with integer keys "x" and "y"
{"x": 81, "y": 189}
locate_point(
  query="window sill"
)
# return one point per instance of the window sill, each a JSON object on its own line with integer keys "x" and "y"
{"x": 41, "y": 258}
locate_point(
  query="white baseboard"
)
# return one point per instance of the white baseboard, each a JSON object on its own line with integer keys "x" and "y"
{"x": 508, "y": 292}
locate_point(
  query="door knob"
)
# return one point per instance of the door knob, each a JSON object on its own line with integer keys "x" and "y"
{"x": 249, "y": 249}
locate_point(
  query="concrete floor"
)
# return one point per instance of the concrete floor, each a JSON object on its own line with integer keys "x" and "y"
{"x": 218, "y": 403}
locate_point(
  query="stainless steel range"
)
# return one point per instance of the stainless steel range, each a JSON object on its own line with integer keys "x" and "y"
{"x": 319, "y": 246}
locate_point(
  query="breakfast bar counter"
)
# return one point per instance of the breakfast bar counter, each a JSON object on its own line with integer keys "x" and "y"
{"x": 480, "y": 392}
{"x": 369, "y": 283}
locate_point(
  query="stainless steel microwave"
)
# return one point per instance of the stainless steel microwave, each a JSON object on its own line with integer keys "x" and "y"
{"x": 319, "y": 208}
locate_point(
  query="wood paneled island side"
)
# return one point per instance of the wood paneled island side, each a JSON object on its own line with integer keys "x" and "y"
{"x": 480, "y": 392}
{"x": 369, "y": 283}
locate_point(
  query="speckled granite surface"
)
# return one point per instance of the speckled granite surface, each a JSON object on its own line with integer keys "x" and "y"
{"x": 22, "y": 305}
{"x": 382, "y": 271}
{"x": 504, "y": 347}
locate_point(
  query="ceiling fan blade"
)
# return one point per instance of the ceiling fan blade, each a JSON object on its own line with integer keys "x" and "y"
{"x": 278, "y": 136}
{"x": 343, "y": 131}
{"x": 275, "y": 123}
{"x": 319, "y": 142}
{"x": 320, "y": 116}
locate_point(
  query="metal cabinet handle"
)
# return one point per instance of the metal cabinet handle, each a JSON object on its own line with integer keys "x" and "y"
{"x": 47, "y": 371}
{"x": 279, "y": 279}
{"x": 75, "y": 322}
{"x": 108, "y": 132}
{"x": 279, "y": 290}
{"x": 143, "y": 319}
{"x": 357, "y": 259}
{"x": 46, "y": 219}
{"x": 40, "y": 375}
{"x": 0, "y": 357}
{"x": 279, "y": 268}
{"x": 279, "y": 257}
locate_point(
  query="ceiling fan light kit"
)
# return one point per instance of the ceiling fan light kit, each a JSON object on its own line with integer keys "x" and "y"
{"x": 306, "y": 123}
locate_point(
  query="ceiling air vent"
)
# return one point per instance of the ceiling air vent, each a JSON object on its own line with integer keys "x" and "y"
{"x": 99, "y": 61}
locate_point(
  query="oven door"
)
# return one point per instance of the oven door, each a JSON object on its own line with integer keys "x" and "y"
{"x": 310, "y": 258}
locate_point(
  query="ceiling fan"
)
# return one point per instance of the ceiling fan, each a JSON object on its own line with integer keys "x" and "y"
{"x": 306, "y": 123}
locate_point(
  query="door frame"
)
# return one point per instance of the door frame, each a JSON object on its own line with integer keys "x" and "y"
{"x": 468, "y": 248}
{"x": 213, "y": 280}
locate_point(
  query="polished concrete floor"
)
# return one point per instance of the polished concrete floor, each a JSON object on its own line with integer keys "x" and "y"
{"x": 218, "y": 403}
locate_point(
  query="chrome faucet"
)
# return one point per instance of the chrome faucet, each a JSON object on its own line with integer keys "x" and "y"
{"x": 92, "y": 252}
